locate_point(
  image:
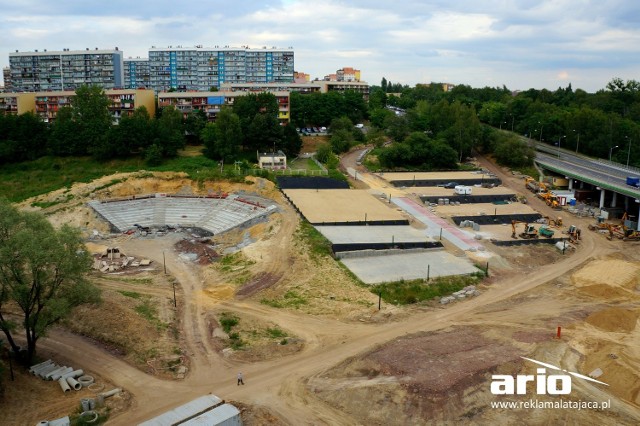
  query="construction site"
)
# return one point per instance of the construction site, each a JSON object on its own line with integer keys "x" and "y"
{"x": 203, "y": 280}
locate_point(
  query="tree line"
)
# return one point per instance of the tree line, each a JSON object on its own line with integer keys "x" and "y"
{"x": 596, "y": 124}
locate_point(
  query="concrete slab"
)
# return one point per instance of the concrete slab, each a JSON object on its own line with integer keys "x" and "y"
{"x": 373, "y": 234}
{"x": 460, "y": 238}
{"x": 408, "y": 266}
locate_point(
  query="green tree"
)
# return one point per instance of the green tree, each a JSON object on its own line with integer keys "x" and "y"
{"x": 193, "y": 125}
{"x": 65, "y": 139}
{"x": 341, "y": 140}
{"x": 90, "y": 108}
{"x": 169, "y": 132}
{"x": 291, "y": 141}
{"x": 223, "y": 138}
{"x": 42, "y": 275}
{"x": 153, "y": 155}
{"x": 511, "y": 151}
{"x": 265, "y": 133}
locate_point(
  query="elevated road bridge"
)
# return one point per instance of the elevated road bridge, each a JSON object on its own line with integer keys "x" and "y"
{"x": 607, "y": 177}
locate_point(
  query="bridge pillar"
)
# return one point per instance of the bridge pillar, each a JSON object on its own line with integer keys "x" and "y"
{"x": 570, "y": 184}
{"x": 581, "y": 184}
{"x": 602, "y": 192}
{"x": 614, "y": 199}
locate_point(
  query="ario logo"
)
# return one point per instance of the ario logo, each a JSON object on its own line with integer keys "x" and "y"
{"x": 545, "y": 384}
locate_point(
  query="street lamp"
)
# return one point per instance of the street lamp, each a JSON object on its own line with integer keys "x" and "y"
{"x": 611, "y": 151}
{"x": 540, "y": 131}
{"x": 629, "y": 150}
{"x": 559, "y": 139}
{"x": 577, "y": 142}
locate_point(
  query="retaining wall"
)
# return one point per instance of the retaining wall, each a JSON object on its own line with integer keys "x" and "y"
{"x": 498, "y": 219}
{"x": 468, "y": 199}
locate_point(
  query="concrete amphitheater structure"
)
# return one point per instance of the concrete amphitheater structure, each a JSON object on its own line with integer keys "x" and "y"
{"x": 215, "y": 215}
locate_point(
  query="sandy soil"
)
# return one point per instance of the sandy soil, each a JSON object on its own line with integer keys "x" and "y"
{"x": 341, "y": 205}
{"x": 355, "y": 364}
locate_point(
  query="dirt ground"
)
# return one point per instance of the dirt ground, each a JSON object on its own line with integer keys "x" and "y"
{"x": 345, "y": 361}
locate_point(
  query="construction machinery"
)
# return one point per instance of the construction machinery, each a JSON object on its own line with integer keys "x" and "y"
{"x": 599, "y": 225}
{"x": 545, "y": 231}
{"x": 574, "y": 234}
{"x": 530, "y": 232}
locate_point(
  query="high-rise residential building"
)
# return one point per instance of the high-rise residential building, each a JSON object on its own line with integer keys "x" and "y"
{"x": 6, "y": 76}
{"x": 203, "y": 68}
{"x": 66, "y": 69}
{"x": 136, "y": 73}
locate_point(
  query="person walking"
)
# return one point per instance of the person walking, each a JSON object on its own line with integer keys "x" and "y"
{"x": 240, "y": 381}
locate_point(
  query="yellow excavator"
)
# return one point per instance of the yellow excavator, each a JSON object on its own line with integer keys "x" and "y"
{"x": 530, "y": 231}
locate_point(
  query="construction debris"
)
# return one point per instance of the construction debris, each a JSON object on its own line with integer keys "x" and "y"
{"x": 112, "y": 260}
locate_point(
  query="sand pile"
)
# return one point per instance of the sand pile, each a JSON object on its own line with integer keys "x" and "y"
{"x": 614, "y": 319}
{"x": 607, "y": 278}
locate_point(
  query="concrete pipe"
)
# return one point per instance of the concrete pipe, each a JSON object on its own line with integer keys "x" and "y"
{"x": 43, "y": 423}
{"x": 96, "y": 387}
{"x": 34, "y": 366}
{"x": 74, "y": 383}
{"x": 57, "y": 370}
{"x": 41, "y": 368}
{"x": 111, "y": 392}
{"x": 42, "y": 373}
{"x": 84, "y": 404}
{"x": 85, "y": 381}
{"x": 73, "y": 374}
{"x": 89, "y": 416}
{"x": 61, "y": 373}
{"x": 64, "y": 385}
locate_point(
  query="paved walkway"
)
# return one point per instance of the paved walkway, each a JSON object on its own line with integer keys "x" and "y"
{"x": 455, "y": 235}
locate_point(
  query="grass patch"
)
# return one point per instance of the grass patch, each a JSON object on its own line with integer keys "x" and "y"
{"x": 276, "y": 333}
{"x": 291, "y": 299}
{"x": 234, "y": 262}
{"x": 131, "y": 294}
{"x": 318, "y": 244}
{"x": 409, "y": 292}
{"x": 228, "y": 321}
{"x": 147, "y": 311}
{"x": 142, "y": 281}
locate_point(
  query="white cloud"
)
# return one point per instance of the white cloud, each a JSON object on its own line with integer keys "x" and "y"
{"x": 522, "y": 44}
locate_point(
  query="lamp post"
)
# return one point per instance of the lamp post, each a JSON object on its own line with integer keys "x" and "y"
{"x": 611, "y": 151}
{"x": 577, "y": 141}
{"x": 541, "y": 125}
{"x": 629, "y": 150}
{"x": 559, "y": 139}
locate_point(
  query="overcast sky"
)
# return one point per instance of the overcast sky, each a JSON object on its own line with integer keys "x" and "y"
{"x": 521, "y": 44}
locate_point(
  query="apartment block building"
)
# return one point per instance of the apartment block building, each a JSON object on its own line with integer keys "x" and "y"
{"x": 65, "y": 70}
{"x": 6, "y": 77}
{"x": 212, "y": 102}
{"x": 136, "y": 73}
{"x": 202, "y": 68}
{"x": 347, "y": 74}
{"x": 17, "y": 103}
{"x": 314, "y": 86}
{"x": 122, "y": 102}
